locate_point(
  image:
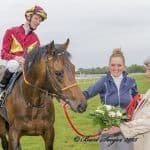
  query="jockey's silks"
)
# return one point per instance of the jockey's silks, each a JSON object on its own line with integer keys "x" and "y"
{"x": 16, "y": 42}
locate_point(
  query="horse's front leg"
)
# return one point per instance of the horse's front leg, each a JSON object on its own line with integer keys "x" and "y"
{"x": 3, "y": 132}
{"x": 4, "y": 142}
{"x": 48, "y": 137}
{"x": 13, "y": 137}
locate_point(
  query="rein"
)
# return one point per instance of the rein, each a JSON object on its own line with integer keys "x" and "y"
{"x": 36, "y": 87}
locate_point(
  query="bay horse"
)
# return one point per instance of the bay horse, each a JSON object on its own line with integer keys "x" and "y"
{"x": 47, "y": 73}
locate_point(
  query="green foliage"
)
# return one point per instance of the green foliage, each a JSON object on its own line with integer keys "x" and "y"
{"x": 135, "y": 69}
{"x": 130, "y": 69}
{"x": 97, "y": 70}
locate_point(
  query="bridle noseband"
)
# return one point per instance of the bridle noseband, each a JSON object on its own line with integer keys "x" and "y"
{"x": 57, "y": 95}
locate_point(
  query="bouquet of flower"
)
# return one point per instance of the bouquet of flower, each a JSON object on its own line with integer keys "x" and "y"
{"x": 107, "y": 116}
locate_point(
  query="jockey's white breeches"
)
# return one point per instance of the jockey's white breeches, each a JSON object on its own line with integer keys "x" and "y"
{"x": 12, "y": 65}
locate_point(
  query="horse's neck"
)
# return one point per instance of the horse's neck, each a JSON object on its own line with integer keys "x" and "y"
{"x": 34, "y": 83}
{"x": 32, "y": 93}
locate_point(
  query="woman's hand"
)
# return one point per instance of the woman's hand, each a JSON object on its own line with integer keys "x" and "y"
{"x": 112, "y": 130}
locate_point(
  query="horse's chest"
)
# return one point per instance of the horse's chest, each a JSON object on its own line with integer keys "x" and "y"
{"x": 37, "y": 114}
{"x": 35, "y": 127}
{"x": 34, "y": 122}
{"x": 33, "y": 114}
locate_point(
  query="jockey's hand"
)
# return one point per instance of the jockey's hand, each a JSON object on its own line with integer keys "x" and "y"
{"x": 112, "y": 130}
{"x": 20, "y": 59}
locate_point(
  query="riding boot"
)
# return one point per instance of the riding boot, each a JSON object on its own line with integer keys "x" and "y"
{"x": 5, "y": 79}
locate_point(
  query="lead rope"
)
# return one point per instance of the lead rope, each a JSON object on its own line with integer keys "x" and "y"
{"x": 130, "y": 109}
{"x": 73, "y": 126}
{"x": 132, "y": 105}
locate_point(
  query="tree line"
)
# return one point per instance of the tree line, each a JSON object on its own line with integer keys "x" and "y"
{"x": 103, "y": 70}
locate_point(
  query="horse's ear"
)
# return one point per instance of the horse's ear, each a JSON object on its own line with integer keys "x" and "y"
{"x": 65, "y": 45}
{"x": 52, "y": 45}
{"x": 50, "y": 48}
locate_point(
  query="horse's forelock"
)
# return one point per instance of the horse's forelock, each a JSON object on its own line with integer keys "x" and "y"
{"x": 60, "y": 50}
{"x": 36, "y": 54}
{"x": 57, "y": 50}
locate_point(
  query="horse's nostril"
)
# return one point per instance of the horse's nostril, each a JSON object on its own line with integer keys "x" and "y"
{"x": 82, "y": 107}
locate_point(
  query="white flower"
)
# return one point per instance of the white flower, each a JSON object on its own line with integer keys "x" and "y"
{"x": 111, "y": 114}
{"x": 99, "y": 111}
{"x": 100, "y": 107}
{"x": 108, "y": 107}
{"x": 107, "y": 116}
{"x": 118, "y": 114}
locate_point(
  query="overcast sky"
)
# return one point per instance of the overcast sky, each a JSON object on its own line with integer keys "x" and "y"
{"x": 94, "y": 27}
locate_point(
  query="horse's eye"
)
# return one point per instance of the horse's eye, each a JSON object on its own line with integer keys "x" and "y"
{"x": 59, "y": 73}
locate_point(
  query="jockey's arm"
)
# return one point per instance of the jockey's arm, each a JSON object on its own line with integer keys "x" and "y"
{"x": 6, "y": 46}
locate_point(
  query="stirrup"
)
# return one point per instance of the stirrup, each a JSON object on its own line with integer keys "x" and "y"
{"x": 2, "y": 100}
{"x": 2, "y": 88}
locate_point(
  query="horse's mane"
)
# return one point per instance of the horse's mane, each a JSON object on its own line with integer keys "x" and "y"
{"x": 36, "y": 54}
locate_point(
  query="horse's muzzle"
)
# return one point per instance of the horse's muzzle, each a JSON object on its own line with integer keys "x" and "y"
{"x": 82, "y": 107}
{"x": 77, "y": 106}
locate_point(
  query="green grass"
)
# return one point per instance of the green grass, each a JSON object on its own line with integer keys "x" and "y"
{"x": 143, "y": 83}
{"x": 64, "y": 135}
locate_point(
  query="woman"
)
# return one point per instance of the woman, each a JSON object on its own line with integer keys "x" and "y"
{"x": 117, "y": 89}
{"x": 139, "y": 127}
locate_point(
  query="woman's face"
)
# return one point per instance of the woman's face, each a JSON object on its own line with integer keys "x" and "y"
{"x": 116, "y": 66}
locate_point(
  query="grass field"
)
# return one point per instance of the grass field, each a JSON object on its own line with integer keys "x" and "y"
{"x": 64, "y": 135}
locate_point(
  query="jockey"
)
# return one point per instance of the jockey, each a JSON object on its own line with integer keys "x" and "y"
{"x": 19, "y": 40}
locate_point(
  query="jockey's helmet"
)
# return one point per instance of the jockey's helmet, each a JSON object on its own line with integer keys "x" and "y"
{"x": 36, "y": 10}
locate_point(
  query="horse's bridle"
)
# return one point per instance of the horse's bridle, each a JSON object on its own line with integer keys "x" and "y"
{"x": 57, "y": 95}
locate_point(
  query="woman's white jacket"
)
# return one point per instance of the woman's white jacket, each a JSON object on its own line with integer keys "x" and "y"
{"x": 141, "y": 119}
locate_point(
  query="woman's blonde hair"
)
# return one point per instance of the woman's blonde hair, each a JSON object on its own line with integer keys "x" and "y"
{"x": 117, "y": 53}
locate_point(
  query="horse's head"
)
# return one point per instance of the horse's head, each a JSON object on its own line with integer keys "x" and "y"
{"x": 57, "y": 74}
